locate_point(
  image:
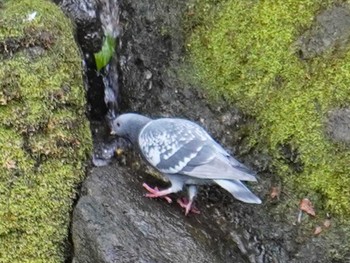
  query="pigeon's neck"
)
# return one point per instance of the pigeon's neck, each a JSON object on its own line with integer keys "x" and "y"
{"x": 136, "y": 128}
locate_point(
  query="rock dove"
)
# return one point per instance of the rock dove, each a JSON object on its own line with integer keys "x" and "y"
{"x": 186, "y": 154}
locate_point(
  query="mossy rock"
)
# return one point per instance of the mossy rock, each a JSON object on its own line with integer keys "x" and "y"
{"x": 44, "y": 135}
{"x": 247, "y": 51}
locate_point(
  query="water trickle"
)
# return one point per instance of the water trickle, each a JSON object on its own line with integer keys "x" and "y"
{"x": 109, "y": 17}
{"x": 95, "y": 21}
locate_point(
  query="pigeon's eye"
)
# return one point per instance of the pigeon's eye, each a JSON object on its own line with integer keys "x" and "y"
{"x": 118, "y": 124}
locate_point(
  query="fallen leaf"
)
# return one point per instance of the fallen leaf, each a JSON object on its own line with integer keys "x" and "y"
{"x": 306, "y": 206}
{"x": 119, "y": 151}
{"x": 10, "y": 164}
{"x": 275, "y": 192}
{"x": 103, "y": 57}
{"x": 327, "y": 223}
{"x": 31, "y": 16}
{"x": 318, "y": 230}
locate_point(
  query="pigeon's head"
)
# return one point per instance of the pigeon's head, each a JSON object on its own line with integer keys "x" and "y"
{"x": 129, "y": 125}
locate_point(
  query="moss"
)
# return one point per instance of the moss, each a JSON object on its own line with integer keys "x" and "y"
{"x": 244, "y": 51}
{"x": 44, "y": 135}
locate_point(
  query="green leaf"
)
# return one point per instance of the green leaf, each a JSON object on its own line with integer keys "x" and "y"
{"x": 103, "y": 57}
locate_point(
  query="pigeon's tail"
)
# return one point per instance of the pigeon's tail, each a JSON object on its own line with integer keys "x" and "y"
{"x": 239, "y": 191}
{"x": 243, "y": 170}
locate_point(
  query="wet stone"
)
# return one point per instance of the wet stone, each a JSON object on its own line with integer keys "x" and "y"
{"x": 114, "y": 222}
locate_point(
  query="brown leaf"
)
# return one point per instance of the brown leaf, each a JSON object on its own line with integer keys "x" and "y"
{"x": 318, "y": 230}
{"x": 306, "y": 206}
{"x": 327, "y": 223}
{"x": 275, "y": 192}
{"x": 10, "y": 164}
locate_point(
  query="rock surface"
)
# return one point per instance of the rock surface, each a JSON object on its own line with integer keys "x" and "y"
{"x": 113, "y": 222}
{"x": 338, "y": 125}
{"x": 331, "y": 30}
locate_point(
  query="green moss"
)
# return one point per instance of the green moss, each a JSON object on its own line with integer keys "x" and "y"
{"x": 245, "y": 51}
{"x": 44, "y": 135}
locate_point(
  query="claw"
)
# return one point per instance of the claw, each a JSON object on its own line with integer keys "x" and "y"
{"x": 188, "y": 205}
{"x": 155, "y": 192}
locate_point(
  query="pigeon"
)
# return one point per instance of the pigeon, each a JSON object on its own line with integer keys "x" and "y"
{"x": 187, "y": 155}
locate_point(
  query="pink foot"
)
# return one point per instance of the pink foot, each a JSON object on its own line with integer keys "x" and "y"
{"x": 154, "y": 192}
{"x": 188, "y": 205}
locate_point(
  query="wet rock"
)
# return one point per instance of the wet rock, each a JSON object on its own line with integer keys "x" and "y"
{"x": 105, "y": 145}
{"x": 95, "y": 20}
{"x": 331, "y": 30}
{"x": 84, "y": 14}
{"x": 338, "y": 125}
{"x": 152, "y": 50}
{"x": 113, "y": 222}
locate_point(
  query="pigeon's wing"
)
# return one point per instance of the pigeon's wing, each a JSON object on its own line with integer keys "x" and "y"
{"x": 177, "y": 146}
{"x": 213, "y": 163}
{"x": 169, "y": 144}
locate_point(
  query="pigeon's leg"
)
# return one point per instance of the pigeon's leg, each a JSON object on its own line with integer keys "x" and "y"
{"x": 154, "y": 192}
{"x": 188, "y": 204}
{"x": 176, "y": 186}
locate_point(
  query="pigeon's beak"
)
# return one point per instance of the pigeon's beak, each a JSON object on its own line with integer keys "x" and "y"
{"x": 113, "y": 132}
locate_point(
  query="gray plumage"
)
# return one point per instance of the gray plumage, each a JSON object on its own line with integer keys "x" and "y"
{"x": 186, "y": 154}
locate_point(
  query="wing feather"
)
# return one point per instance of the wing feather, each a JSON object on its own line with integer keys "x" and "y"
{"x": 161, "y": 142}
{"x": 177, "y": 146}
